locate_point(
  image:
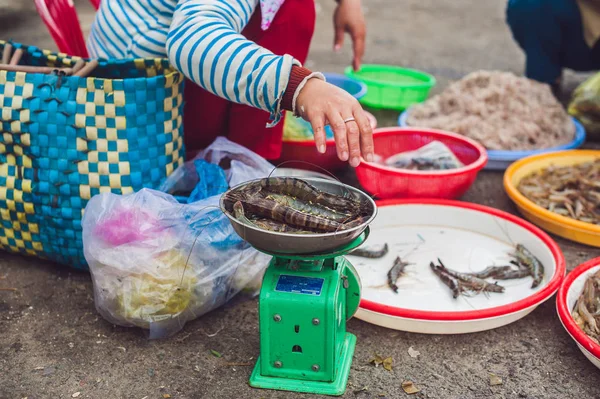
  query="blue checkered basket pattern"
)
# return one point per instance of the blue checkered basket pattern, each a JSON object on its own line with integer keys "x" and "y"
{"x": 64, "y": 139}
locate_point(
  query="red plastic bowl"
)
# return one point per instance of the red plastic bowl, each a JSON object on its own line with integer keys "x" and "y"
{"x": 385, "y": 182}
{"x": 566, "y": 292}
{"x": 306, "y": 151}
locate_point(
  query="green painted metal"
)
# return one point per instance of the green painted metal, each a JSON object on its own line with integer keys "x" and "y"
{"x": 335, "y": 388}
{"x": 353, "y": 290}
{"x": 303, "y": 307}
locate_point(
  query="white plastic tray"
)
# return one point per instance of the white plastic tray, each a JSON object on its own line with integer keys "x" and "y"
{"x": 466, "y": 237}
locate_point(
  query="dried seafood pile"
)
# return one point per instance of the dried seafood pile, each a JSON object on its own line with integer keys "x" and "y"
{"x": 572, "y": 191}
{"x": 291, "y": 205}
{"x": 499, "y": 110}
{"x": 586, "y": 311}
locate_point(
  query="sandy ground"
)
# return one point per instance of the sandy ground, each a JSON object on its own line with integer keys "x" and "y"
{"x": 53, "y": 344}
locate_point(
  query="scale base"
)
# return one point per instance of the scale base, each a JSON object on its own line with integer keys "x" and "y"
{"x": 334, "y": 388}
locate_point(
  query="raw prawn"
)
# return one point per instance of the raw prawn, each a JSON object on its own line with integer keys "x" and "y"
{"x": 452, "y": 282}
{"x": 304, "y": 191}
{"x": 396, "y": 272}
{"x": 472, "y": 282}
{"x": 526, "y": 258}
{"x": 368, "y": 253}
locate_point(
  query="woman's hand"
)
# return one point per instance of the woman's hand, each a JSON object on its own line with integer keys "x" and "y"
{"x": 321, "y": 104}
{"x": 348, "y": 18}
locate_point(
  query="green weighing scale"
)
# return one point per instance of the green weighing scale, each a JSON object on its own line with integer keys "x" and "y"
{"x": 308, "y": 293}
{"x": 304, "y": 303}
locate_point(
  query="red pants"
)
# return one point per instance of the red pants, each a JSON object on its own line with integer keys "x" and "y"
{"x": 207, "y": 116}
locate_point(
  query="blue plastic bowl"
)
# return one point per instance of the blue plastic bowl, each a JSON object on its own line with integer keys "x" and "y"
{"x": 354, "y": 87}
{"x": 500, "y": 160}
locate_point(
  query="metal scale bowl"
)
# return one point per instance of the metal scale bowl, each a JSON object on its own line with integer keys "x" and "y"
{"x": 308, "y": 293}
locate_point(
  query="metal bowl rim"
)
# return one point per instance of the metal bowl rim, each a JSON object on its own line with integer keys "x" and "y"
{"x": 360, "y": 227}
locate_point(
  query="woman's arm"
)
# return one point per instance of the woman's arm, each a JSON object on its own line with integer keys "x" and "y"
{"x": 205, "y": 44}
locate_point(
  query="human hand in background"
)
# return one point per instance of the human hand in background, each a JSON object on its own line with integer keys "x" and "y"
{"x": 322, "y": 104}
{"x": 348, "y": 18}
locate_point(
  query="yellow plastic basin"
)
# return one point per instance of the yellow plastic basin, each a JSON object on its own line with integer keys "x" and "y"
{"x": 571, "y": 229}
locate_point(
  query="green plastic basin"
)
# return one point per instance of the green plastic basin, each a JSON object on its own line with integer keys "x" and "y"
{"x": 391, "y": 87}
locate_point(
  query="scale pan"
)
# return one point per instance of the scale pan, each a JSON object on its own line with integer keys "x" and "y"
{"x": 299, "y": 244}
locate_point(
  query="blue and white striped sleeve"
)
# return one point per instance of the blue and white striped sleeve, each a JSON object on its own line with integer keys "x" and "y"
{"x": 205, "y": 44}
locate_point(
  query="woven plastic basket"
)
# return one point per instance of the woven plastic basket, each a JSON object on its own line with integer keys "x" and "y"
{"x": 65, "y": 139}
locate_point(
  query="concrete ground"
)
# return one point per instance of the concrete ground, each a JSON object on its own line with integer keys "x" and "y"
{"x": 53, "y": 344}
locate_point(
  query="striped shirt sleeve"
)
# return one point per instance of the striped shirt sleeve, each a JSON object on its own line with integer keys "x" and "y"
{"x": 205, "y": 44}
{"x": 131, "y": 28}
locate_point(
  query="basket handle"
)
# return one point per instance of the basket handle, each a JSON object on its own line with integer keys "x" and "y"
{"x": 80, "y": 69}
{"x": 16, "y": 57}
{"x": 87, "y": 69}
{"x": 34, "y": 69}
{"x": 6, "y": 53}
{"x": 10, "y": 58}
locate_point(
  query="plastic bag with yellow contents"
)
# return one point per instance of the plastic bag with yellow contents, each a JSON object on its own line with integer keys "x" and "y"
{"x": 157, "y": 263}
{"x": 585, "y": 106}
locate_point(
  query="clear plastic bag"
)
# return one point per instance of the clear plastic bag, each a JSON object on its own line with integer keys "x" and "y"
{"x": 433, "y": 156}
{"x": 585, "y": 106}
{"x": 157, "y": 263}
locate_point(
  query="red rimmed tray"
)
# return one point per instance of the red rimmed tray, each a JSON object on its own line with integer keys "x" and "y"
{"x": 467, "y": 237}
{"x": 568, "y": 293}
